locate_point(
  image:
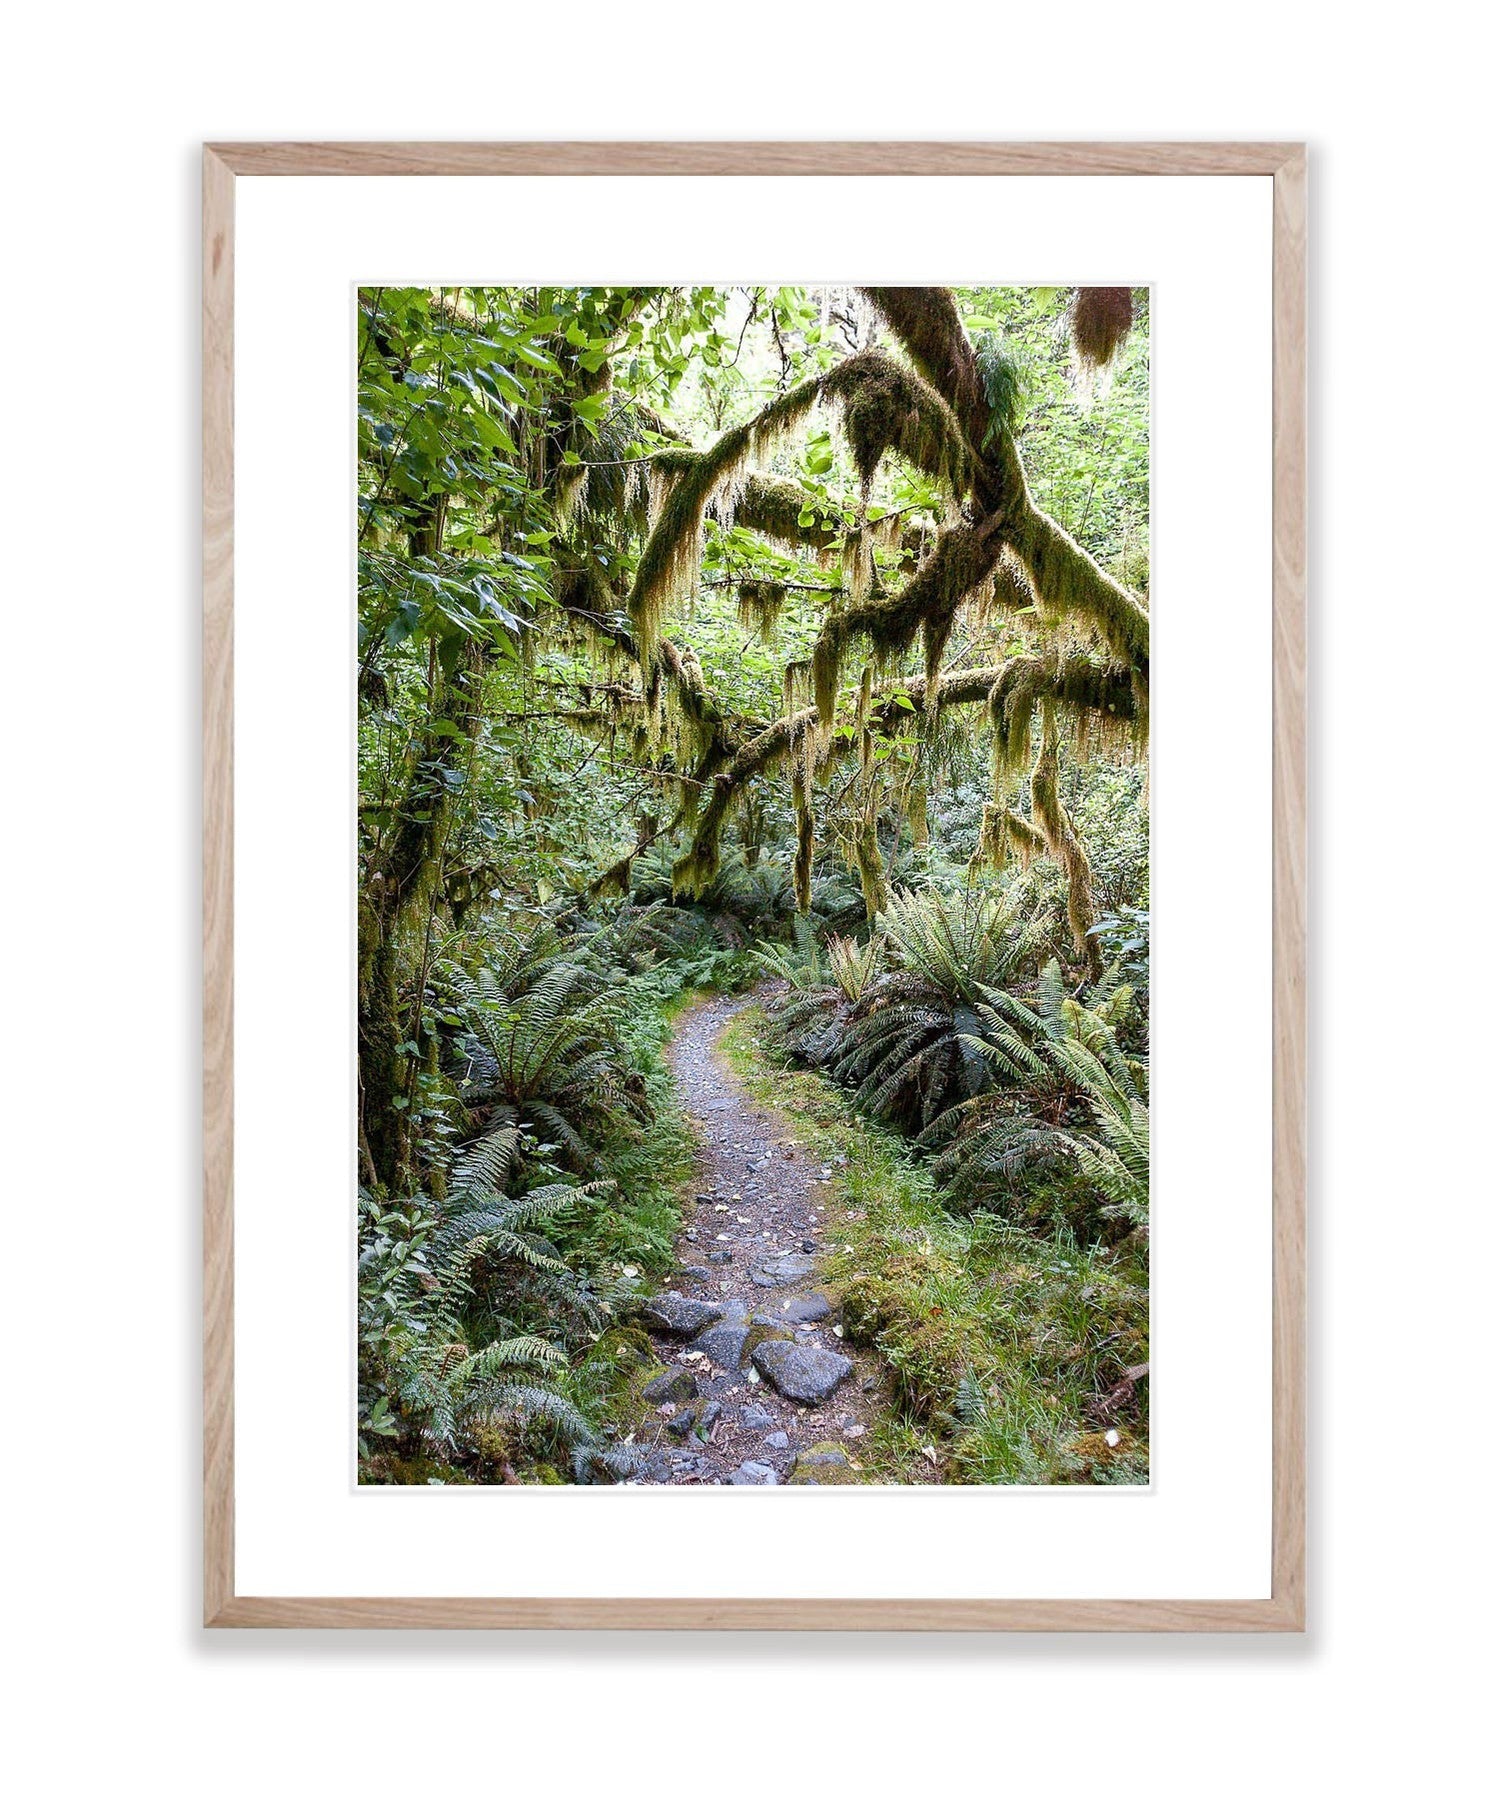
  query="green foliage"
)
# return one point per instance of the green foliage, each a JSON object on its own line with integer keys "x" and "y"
{"x": 427, "y": 1380}
{"x": 1028, "y": 1103}
{"x": 1115, "y": 1157}
{"x": 801, "y": 969}
{"x": 474, "y": 1308}
{"x": 1006, "y": 388}
{"x": 541, "y": 1047}
{"x": 855, "y": 966}
{"x": 1043, "y": 1060}
{"x": 906, "y": 1046}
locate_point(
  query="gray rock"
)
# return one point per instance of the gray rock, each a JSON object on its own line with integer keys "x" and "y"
{"x": 678, "y": 1384}
{"x": 723, "y": 1344}
{"x": 782, "y": 1270}
{"x": 778, "y": 1440}
{"x": 808, "y": 1245}
{"x": 681, "y": 1425}
{"x": 800, "y": 1370}
{"x": 689, "y": 1272}
{"x": 720, "y": 1256}
{"x": 754, "y": 1474}
{"x": 709, "y": 1416}
{"x": 679, "y": 1317}
{"x": 805, "y": 1308}
{"x": 755, "y": 1417}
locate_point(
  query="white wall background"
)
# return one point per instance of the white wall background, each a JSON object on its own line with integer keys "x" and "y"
{"x": 105, "y": 109}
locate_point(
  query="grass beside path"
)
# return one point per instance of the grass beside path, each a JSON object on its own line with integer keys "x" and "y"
{"x": 997, "y": 1338}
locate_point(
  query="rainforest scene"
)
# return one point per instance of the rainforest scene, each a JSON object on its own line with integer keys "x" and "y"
{"x": 753, "y": 963}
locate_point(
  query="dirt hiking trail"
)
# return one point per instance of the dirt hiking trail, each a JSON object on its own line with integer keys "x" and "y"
{"x": 755, "y": 1386}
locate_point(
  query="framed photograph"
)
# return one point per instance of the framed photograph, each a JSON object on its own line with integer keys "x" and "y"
{"x": 754, "y": 939}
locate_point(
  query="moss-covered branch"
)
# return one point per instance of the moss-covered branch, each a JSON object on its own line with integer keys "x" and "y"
{"x": 926, "y": 321}
{"x": 884, "y": 409}
{"x": 1068, "y": 583}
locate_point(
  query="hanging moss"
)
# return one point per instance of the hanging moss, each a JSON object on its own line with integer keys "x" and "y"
{"x": 760, "y": 606}
{"x": 1009, "y": 592}
{"x": 795, "y": 743}
{"x": 916, "y": 815}
{"x": 1056, "y": 827}
{"x": 581, "y": 587}
{"x": 778, "y": 744}
{"x": 801, "y": 866}
{"x": 1069, "y": 585}
{"x": 885, "y": 407}
{"x": 774, "y": 508}
{"x": 614, "y": 882}
{"x": 690, "y": 481}
{"x": 964, "y": 556}
{"x": 1098, "y": 322}
{"x": 570, "y": 484}
{"x": 857, "y": 564}
{"x": 1104, "y": 694}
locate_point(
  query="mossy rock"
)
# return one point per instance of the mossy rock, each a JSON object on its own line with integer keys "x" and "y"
{"x": 824, "y": 1464}
{"x": 766, "y": 1333}
{"x": 867, "y": 1306}
{"x": 626, "y": 1345}
{"x": 662, "y": 1384}
{"x": 495, "y": 1445}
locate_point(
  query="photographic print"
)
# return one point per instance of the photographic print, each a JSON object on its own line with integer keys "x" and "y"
{"x": 753, "y": 886}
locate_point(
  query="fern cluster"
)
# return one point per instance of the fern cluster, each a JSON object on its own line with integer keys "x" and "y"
{"x": 943, "y": 1024}
{"x": 473, "y": 1304}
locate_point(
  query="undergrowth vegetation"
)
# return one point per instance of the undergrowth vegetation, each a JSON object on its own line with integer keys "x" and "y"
{"x": 478, "y": 1299}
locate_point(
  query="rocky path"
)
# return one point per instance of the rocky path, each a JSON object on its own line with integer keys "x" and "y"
{"x": 754, "y": 1385}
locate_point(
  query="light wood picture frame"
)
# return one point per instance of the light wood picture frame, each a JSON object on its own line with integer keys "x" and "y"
{"x": 1285, "y": 164}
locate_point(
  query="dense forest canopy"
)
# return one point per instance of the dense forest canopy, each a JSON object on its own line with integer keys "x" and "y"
{"x": 779, "y": 606}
